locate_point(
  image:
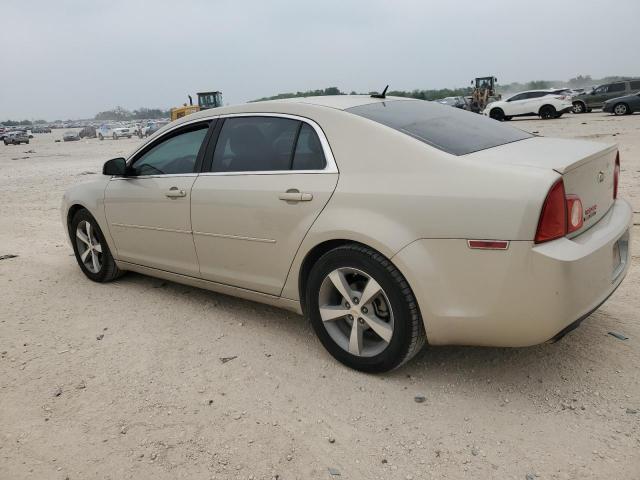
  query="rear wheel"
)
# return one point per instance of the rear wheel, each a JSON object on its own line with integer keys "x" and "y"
{"x": 579, "y": 107}
{"x": 497, "y": 114}
{"x": 100, "y": 136}
{"x": 547, "y": 112}
{"x": 115, "y": 137}
{"x": 621, "y": 109}
{"x": 363, "y": 310}
{"x": 91, "y": 249}
{"x": 507, "y": 119}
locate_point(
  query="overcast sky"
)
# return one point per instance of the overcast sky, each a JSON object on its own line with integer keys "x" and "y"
{"x": 71, "y": 59}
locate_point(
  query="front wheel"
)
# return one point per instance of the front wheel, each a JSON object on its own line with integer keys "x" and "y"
{"x": 115, "y": 137}
{"x": 363, "y": 310}
{"x": 579, "y": 107}
{"x": 620, "y": 109}
{"x": 497, "y": 114}
{"x": 91, "y": 249}
{"x": 100, "y": 137}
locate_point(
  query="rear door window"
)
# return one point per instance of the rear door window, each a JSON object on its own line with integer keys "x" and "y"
{"x": 308, "y": 154}
{"x": 635, "y": 85}
{"x": 617, "y": 87}
{"x": 255, "y": 144}
{"x": 451, "y": 130}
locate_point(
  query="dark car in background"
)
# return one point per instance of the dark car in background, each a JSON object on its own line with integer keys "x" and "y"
{"x": 15, "y": 138}
{"x": 623, "y": 105}
{"x": 602, "y": 93}
{"x": 457, "y": 102}
{"x": 88, "y": 132}
{"x": 70, "y": 136}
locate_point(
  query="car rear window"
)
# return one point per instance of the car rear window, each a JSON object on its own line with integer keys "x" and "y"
{"x": 451, "y": 130}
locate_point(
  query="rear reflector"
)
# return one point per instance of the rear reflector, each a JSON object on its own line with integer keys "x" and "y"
{"x": 488, "y": 244}
{"x": 616, "y": 176}
{"x": 553, "y": 218}
{"x": 575, "y": 212}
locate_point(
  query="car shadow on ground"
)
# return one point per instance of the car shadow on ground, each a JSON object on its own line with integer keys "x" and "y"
{"x": 484, "y": 368}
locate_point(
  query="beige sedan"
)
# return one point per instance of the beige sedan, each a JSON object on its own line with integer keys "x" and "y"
{"x": 388, "y": 222}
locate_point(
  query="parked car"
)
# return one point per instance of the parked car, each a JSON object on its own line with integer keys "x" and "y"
{"x": 543, "y": 103}
{"x": 457, "y": 102}
{"x": 70, "y": 136}
{"x": 600, "y": 94}
{"x": 152, "y": 128}
{"x": 113, "y": 131}
{"x": 15, "y": 138}
{"x": 623, "y": 105}
{"x": 87, "y": 132}
{"x": 387, "y": 221}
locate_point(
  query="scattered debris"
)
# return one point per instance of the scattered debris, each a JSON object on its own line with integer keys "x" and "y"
{"x": 100, "y": 337}
{"x": 154, "y": 456}
{"x": 57, "y": 392}
{"x": 289, "y": 458}
{"x": 81, "y": 385}
{"x": 331, "y": 440}
{"x": 30, "y": 151}
{"x": 87, "y": 172}
{"x": 8, "y": 256}
{"x": 384, "y": 460}
{"x": 228, "y": 359}
{"x": 619, "y": 336}
{"x": 530, "y": 476}
{"x": 210, "y": 402}
{"x": 420, "y": 398}
{"x": 123, "y": 430}
{"x": 475, "y": 451}
{"x": 632, "y": 411}
{"x": 334, "y": 472}
{"x": 62, "y": 351}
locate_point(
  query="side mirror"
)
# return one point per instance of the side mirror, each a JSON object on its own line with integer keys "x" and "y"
{"x": 115, "y": 166}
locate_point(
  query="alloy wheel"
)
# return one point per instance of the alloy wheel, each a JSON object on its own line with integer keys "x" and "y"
{"x": 89, "y": 247}
{"x": 356, "y": 312}
{"x": 620, "y": 109}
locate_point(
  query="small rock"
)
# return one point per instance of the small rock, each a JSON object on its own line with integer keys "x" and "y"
{"x": 154, "y": 456}
{"x": 228, "y": 359}
{"x": 100, "y": 337}
{"x": 123, "y": 430}
{"x": 334, "y": 472}
{"x": 81, "y": 385}
{"x": 384, "y": 460}
{"x": 57, "y": 392}
{"x": 475, "y": 451}
{"x": 289, "y": 458}
{"x": 530, "y": 476}
{"x": 632, "y": 411}
{"x": 332, "y": 440}
{"x": 419, "y": 399}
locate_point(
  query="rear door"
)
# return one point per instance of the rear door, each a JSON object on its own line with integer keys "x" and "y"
{"x": 269, "y": 177}
{"x": 616, "y": 90}
{"x": 148, "y": 210}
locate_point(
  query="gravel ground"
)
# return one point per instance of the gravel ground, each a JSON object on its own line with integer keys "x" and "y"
{"x": 126, "y": 380}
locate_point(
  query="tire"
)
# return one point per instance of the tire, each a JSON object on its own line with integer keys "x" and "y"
{"x": 104, "y": 269}
{"x": 115, "y": 137}
{"x": 579, "y": 107}
{"x": 507, "y": 119}
{"x": 129, "y": 136}
{"x": 621, "y": 109}
{"x": 100, "y": 136}
{"x": 558, "y": 115}
{"x": 27, "y": 142}
{"x": 393, "y": 310}
{"x": 497, "y": 114}
{"x": 547, "y": 112}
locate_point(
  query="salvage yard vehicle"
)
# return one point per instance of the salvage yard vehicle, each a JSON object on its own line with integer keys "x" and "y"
{"x": 113, "y": 131}
{"x": 15, "y": 138}
{"x": 389, "y": 222}
{"x": 623, "y": 105}
{"x": 543, "y": 103}
{"x": 602, "y": 93}
{"x": 70, "y": 136}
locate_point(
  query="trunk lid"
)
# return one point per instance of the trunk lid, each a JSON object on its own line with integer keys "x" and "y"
{"x": 586, "y": 168}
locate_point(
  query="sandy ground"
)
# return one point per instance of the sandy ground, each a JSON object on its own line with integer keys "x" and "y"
{"x": 152, "y": 399}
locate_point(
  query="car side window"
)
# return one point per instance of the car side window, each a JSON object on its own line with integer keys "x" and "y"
{"x": 520, "y": 96}
{"x": 174, "y": 155}
{"x": 308, "y": 154}
{"x": 635, "y": 85}
{"x": 617, "y": 87}
{"x": 602, "y": 89}
{"x": 255, "y": 144}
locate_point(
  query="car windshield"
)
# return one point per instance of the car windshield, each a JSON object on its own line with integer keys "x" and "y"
{"x": 451, "y": 130}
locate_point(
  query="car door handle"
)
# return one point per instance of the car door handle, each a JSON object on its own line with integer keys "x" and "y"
{"x": 175, "y": 192}
{"x": 294, "y": 195}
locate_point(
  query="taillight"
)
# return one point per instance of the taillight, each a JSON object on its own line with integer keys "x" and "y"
{"x": 553, "y": 218}
{"x": 616, "y": 175}
{"x": 575, "y": 213}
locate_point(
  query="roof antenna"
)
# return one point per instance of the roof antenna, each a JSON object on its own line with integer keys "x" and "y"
{"x": 381, "y": 95}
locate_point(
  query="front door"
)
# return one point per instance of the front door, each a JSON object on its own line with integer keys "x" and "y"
{"x": 270, "y": 178}
{"x": 148, "y": 211}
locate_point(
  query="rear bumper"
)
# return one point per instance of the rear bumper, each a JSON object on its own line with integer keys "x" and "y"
{"x": 521, "y": 296}
{"x": 607, "y": 107}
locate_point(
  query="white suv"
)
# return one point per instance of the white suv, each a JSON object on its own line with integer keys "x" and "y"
{"x": 113, "y": 131}
{"x": 543, "y": 103}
